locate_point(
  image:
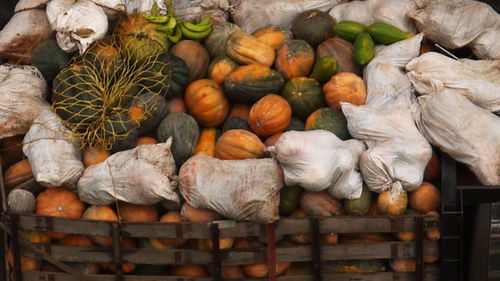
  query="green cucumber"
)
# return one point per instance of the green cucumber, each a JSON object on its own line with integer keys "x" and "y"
{"x": 387, "y": 34}
{"x": 364, "y": 49}
{"x": 348, "y": 30}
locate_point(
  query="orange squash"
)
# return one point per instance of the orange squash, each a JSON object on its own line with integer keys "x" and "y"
{"x": 300, "y": 238}
{"x": 320, "y": 204}
{"x": 239, "y": 144}
{"x": 95, "y": 155}
{"x": 59, "y": 202}
{"x": 126, "y": 243}
{"x": 295, "y": 59}
{"x": 270, "y": 115}
{"x": 274, "y": 35}
{"x": 172, "y": 216}
{"x": 206, "y": 102}
{"x": 101, "y": 213}
{"x": 77, "y": 241}
{"x": 192, "y": 214}
{"x": 27, "y": 263}
{"x": 258, "y": 270}
{"x": 345, "y": 87}
{"x": 433, "y": 233}
{"x": 403, "y": 265}
{"x": 433, "y": 169}
{"x": 137, "y": 213}
{"x": 189, "y": 271}
{"x": 18, "y": 173}
{"x": 392, "y": 203}
{"x": 232, "y": 272}
{"x": 145, "y": 140}
{"x": 33, "y": 236}
{"x": 206, "y": 142}
{"x": 240, "y": 110}
{"x": 195, "y": 56}
{"x": 270, "y": 141}
{"x": 244, "y": 48}
{"x": 425, "y": 198}
{"x": 176, "y": 105}
{"x": 406, "y": 236}
{"x": 220, "y": 67}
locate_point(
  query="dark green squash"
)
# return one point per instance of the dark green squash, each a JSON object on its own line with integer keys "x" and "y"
{"x": 215, "y": 42}
{"x": 354, "y": 266}
{"x": 359, "y": 206}
{"x": 252, "y": 82}
{"x": 294, "y": 59}
{"x": 120, "y": 124}
{"x": 295, "y": 125}
{"x": 324, "y": 69}
{"x": 289, "y": 199}
{"x": 49, "y": 59}
{"x": 180, "y": 74}
{"x": 235, "y": 123}
{"x": 304, "y": 96}
{"x": 155, "y": 109}
{"x": 329, "y": 119}
{"x": 314, "y": 26}
{"x": 185, "y": 132}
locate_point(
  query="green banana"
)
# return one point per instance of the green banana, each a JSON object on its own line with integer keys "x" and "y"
{"x": 175, "y": 36}
{"x": 154, "y": 10}
{"x": 193, "y": 35}
{"x": 203, "y": 25}
{"x": 169, "y": 26}
{"x": 160, "y": 19}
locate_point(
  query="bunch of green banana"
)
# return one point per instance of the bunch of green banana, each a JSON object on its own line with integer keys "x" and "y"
{"x": 196, "y": 31}
{"x": 168, "y": 24}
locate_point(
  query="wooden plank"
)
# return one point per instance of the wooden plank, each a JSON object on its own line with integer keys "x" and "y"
{"x": 383, "y": 250}
{"x": 381, "y": 276}
{"x": 340, "y": 224}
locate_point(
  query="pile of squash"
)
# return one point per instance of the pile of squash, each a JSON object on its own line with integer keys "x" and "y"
{"x": 242, "y": 92}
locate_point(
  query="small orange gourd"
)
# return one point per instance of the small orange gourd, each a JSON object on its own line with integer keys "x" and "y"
{"x": 206, "y": 102}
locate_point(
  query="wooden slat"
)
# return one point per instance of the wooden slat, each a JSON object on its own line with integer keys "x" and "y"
{"x": 381, "y": 276}
{"x": 383, "y": 250}
{"x": 340, "y": 224}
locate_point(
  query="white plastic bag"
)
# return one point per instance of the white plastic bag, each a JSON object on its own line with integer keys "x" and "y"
{"x": 478, "y": 80}
{"x": 53, "y": 154}
{"x": 386, "y": 81}
{"x": 397, "y": 153}
{"x": 466, "y": 132}
{"x": 371, "y": 11}
{"x": 251, "y": 15}
{"x": 22, "y": 97}
{"x": 457, "y": 23}
{"x": 143, "y": 175}
{"x": 319, "y": 160}
{"x": 237, "y": 189}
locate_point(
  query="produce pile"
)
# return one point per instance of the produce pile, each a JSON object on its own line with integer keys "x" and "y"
{"x": 152, "y": 116}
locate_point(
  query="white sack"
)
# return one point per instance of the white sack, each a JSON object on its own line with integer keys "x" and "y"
{"x": 371, "y": 11}
{"x": 22, "y": 97}
{"x": 466, "y": 132}
{"x": 251, "y": 15}
{"x": 237, "y": 189}
{"x": 477, "y": 80}
{"x": 457, "y": 23}
{"x": 397, "y": 153}
{"x": 52, "y": 152}
{"x": 143, "y": 175}
{"x": 386, "y": 81}
{"x": 319, "y": 160}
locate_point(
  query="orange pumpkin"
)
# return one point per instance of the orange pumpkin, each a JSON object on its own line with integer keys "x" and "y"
{"x": 220, "y": 67}
{"x": 206, "y": 142}
{"x": 239, "y": 144}
{"x": 101, "y": 213}
{"x": 240, "y": 110}
{"x": 77, "y": 241}
{"x": 345, "y": 87}
{"x": 27, "y": 263}
{"x": 246, "y": 49}
{"x": 433, "y": 168}
{"x": 59, "y": 202}
{"x": 232, "y": 272}
{"x": 206, "y": 102}
{"x": 306, "y": 238}
{"x": 137, "y": 213}
{"x": 176, "y": 105}
{"x": 320, "y": 204}
{"x": 195, "y": 56}
{"x": 192, "y": 214}
{"x": 406, "y": 236}
{"x": 18, "y": 173}
{"x": 145, "y": 140}
{"x": 172, "y": 216}
{"x": 403, "y": 265}
{"x": 95, "y": 155}
{"x": 189, "y": 271}
{"x": 433, "y": 233}
{"x": 258, "y": 270}
{"x": 425, "y": 199}
{"x": 270, "y": 115}
{"x": 270, "y": 141}
{"x": 295, "y": 59}
{"x": 33, "y": 236}
{"x": 126, "y": 243}
{"x": 392, "y": 203}
{"x": 274, "y": 35}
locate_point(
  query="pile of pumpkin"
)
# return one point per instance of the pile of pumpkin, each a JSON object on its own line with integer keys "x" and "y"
{"x": 244, "y": 91}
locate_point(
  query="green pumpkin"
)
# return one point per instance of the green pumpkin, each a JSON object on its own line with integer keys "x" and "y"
{"x": 121, "y": 130}
{"x": 249, "y": 83}
{"x": 329, "y": 119}
{"x": 185, "y": 132}
{"x": 359, "y": 206}
{"x": 304, "y": 95}
{"x": 295, "y": 125}
{"x": 179, "y": 74}
{"x": 215, "y": 42}
{"x": 354, "y": 266}
{"x": 235, "y": 123}
{"x": 155, "y": 108}
{"x": 289, "y": 199}
{"x": 313, "y": 26}
{"x": 324, "y": 69}
{"x": 49, "y": 59}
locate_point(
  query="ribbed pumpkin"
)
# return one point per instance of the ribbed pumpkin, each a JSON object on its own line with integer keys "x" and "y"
{"x": 77, "y": 241}
{"x": 180, "y": 75}
{"x": 328, "y": 119}
{"x": 21, "y": 201}
{"x": 240, "y": 110}
{"x": 220, "y": 67}
{"x": 270, "y": 115}
{"x": 232, "y": 123}
{"x": 314, "y": 26}
{"x": 27, "y": 263}
{"x": 294, "y": 59}
{"x": 251, "y": 82}
{"x": 18, "y": 173}
{"x": 345, "y": 87}
{"x": 206, "y": 142}
{"x": 59, "y": 202}
{"x": 304, "y": 96}
{"x": 172, "y": 217}
{"x": 425, "y": 198}
{"x": 101, "y": 213}
{"x": 148, "y": 110}
{"x": 192, "y": 214}
{"x": 243, "y": 48}
{"x": 216, "y": 41}
{"x": 270, "y": 141}
{"x": 359, "y": 206}
{"x": 95, "y": 155}
{"x": 189, "y": 271}
{"x": 145, "y": 140}
{"x": 341, "y": 50}
{"x": 273, "y": 35}
{"x": 195, "y": 56}
{"x": 239, "y": 144}
{"x": 49, "y": 59}
{"x": 206, "y": 102}
{"x": 176, "y": 105}
{"x": 320, "y": 204}
{"x": 137, "y": 213}
{"x": 392, "y": 202}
